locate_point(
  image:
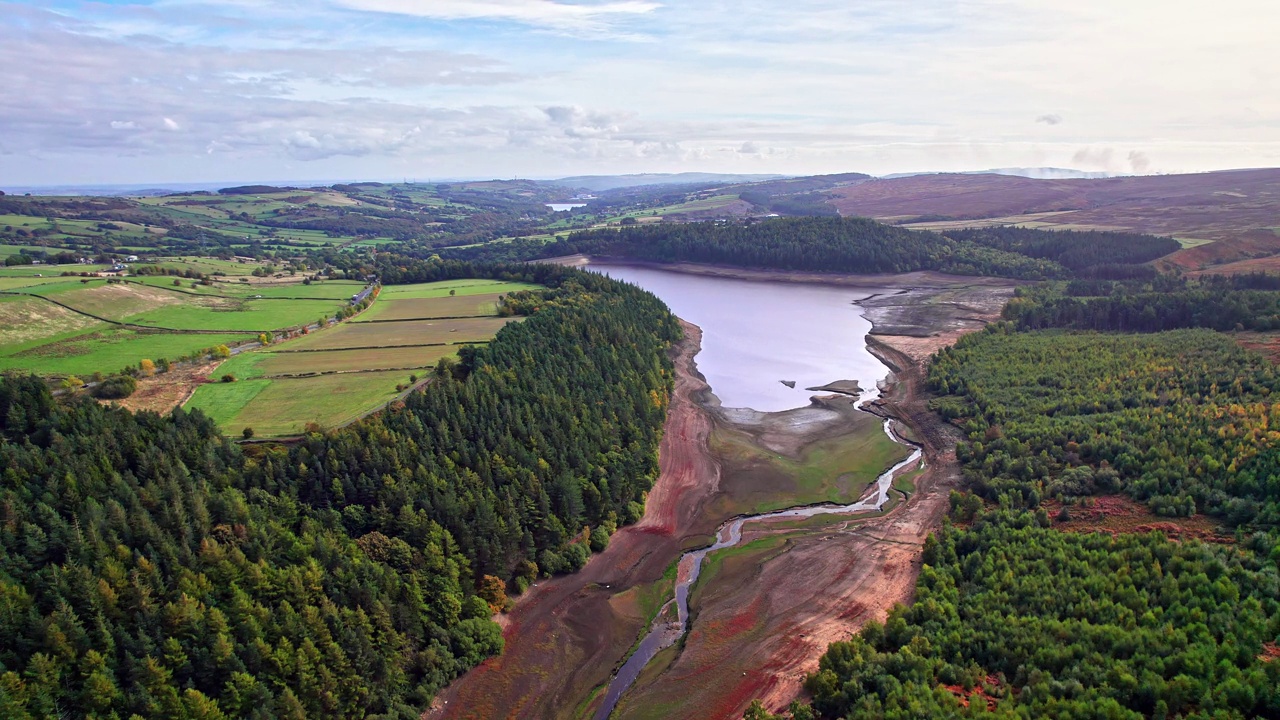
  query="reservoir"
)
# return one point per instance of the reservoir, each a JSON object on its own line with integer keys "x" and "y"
{"x": 755, "y": 334}
{"x": 561, "y": 207}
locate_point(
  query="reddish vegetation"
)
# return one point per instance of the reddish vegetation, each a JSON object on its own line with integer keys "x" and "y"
{"x": 1266, "y": 343}
{"x": 966, "y": 696}
{"x": 1251, "y": 244}
{"x": 1116, "y": 514}
{"x": 1243, "y": 252}
{"x": 1270, "y": 651}
{"x": 1217, "y": 206}
{"x": 1235, "y": 208}
{"x": 166, "y": 391}
{"x": 566, "y": 635}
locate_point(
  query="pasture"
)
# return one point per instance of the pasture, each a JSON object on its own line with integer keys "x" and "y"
{"x": 72, "y": 325}
{"x": 460, "y": 287}
{"x": 106, "y": 349}
{"x": 399, "y": 334}
{"x": 431, "y": 308}
{"x": 335, "y": 375}
{"x": 285, "y": 406}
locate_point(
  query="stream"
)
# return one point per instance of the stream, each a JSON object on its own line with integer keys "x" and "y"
{"x": 677, "y": 290}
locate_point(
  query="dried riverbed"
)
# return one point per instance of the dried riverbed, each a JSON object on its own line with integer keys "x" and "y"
{"x": 766, "y": 608}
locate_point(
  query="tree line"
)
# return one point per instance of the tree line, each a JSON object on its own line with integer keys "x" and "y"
{"x": 1013, "y": 618}
{"x": 1248, "y": 302}
{"x": 151, "y": 568}
{"x": 855, "y": 245}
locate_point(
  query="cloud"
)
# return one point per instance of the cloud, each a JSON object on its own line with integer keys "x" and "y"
{"x": 1095, "y": 158}
{"x": 540, "y": 13}
{"x": 171, "y": 125}
{"x": 1050, "y": 119}
{"x": 1139, "y": 161}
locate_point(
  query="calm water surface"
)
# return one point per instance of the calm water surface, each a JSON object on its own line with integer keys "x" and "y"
{"x": 756, "y": 334}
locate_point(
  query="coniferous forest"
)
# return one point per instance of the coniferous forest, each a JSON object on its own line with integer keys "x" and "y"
{"x": 149, "y": 568}
{"x": 1014, "y": 618}
{"x": 809, "y": 243}
{"x": 856, "y": 245}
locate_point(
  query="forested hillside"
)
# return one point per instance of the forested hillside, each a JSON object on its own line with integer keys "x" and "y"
{"x": 857, "y": 245}
{"x": 150, "y": 568}
{"x": 1013, "y": 615}
{"x": 1247, "y": 302}
{"x": 1092, "y": 253}
{"x": 1035, "y": 623}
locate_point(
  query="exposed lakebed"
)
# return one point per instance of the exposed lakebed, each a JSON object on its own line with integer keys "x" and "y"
{"x": 763, "y": 345}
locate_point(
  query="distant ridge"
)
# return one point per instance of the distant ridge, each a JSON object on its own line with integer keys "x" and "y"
{"x": 1040, "y": 173}
{"x": 599, "y": 183}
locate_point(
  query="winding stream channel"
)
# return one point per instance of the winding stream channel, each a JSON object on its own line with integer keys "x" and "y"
{"x": 810, "y": 330}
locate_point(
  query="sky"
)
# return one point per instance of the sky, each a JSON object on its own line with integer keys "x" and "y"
{"x": 159, "y": 91}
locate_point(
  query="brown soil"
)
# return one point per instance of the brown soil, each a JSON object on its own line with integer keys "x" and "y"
{"x": 566, "y": 636}
{"x": 1118, "y": 514}
{"x": 820, "y": 589}
{"x": 1267, "y": 343}
{"x": 166, "y": 391}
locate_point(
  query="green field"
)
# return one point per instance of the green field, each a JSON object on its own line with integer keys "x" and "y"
{"x": 461, "y": 287}
{"x": 56, "y": 325}
{"x": 264, "y": 363}
{"x": 427, "y": 308}
{"x": 105, "y": 350}
{"x": 280, "y": 407}
{"x": 356, "y": 365}
{"x": 409, "y": 332}
{"x": 164, "y": 307}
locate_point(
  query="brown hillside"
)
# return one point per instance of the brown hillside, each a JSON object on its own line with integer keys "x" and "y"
{"x": 1238, "y": 208}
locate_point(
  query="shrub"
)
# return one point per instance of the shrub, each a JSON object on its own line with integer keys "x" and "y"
{"x": 228, "y": 378}
{"x": 115, "y": 387}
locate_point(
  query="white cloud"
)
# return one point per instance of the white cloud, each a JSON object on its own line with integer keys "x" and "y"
{"x": 171, "y": 125}
{"x": 540, "y": 13}
{"x": 805, "y": 86}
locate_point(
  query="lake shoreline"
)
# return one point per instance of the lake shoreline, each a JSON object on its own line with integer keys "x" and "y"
{"x": 567, "y": 636}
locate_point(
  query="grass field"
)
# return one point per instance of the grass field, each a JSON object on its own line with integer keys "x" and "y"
{"x": 280, "y": 407}
{"x": 410, "y": 332}
{"x": 39, "y": 335}
{"x": 160, "y": 307}
{"x": 105, "y": 350}
{"x": 24, "y": 320}
{"x": 426, "y": 308}
{"x": 462, "y": 287}
{"x": 359, "y": 363}
{"x": 262, "y": 363}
